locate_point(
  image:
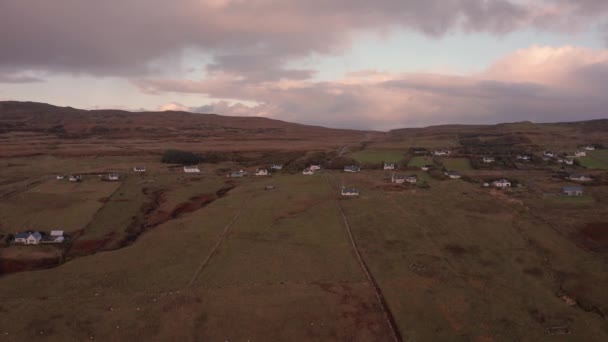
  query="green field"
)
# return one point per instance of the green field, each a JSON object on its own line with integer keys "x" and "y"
{"x": 371, "y": 156}
{"x": 456, "y": 164}
{"x": 595, "y": 160}
{"x": 419, "y": 161}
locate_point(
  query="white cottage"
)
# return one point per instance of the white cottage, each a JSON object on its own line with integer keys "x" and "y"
{"x": 580, "y": 153}
{"x": 488, "y": 159}
{"x": 308, "y": 172}
{"x": 191, "y": 169}
{"x": 262, "y": 172}
{"x": 315, "y": 167}
{"x": 390, "y": 166}
{"x": 350, "y": 191}
{"x": 28, "y": 238}
{"x": 139, "y": 169}
{"x": 501, "y": 183}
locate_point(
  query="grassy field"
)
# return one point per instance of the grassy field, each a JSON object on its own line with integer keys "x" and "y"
{"x": 453, "y": 262}
{"x": 419, "y": 161}
{"x": 378, "y": 156}
{"x": 595, "y": 160}
{"x": 456, "y": 164}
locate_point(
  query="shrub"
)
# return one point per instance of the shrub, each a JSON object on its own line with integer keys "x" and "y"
{"x": 180, "y": 157}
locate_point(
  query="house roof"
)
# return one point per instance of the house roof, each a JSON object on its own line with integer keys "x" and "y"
{"x": 56, "y": 232}
{"x": 572, "y": 188}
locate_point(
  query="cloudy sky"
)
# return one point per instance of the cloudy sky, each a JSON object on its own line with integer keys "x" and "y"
{"x": 342, "y": 63}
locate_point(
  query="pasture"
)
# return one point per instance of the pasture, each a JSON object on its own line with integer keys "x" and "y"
{"x": 378, "y": 156}
{"x": 419, "y": 161}
{"x": 595, "y": 160}
{"x": 456, "y": 164}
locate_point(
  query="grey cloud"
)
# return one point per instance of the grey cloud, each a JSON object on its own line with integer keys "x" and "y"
{"x": 126, "y": 37}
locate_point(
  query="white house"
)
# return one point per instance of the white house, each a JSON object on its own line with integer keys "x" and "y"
{"x": 488, "y": 159}
{"x": 398, "y": 179}
{"x": 74, "y": 179}
{"x": 113, "y": 176}
{"x": 568, "y": 161}
{"x": 276, "y": 167}
{"x": 350, "y": 191}
{"x": 261, "y": 172}
{"x": 580, "y": 153}
{"x": 426, "y": 167}
{"x": 549, "y": 154}
{"x": 501, "y": 183}
{"x": 139, "y": 169}
{"x": 308, "y": 172}
{"x": 315, "y": 167}
{"x": 453, "y": 174}
{"x": 56, "y": 236}
{"x": 352, "y": 168}
{"x": 572, "y": 191}
{"x": 28, "y": 238}
{"x": 580, "y": 178}
{"x": 60, "y": 177}
{"x": 442, "y": 152}
{"x": 388, "y": 166}
{"x": 191, "y": 169}
{"x": 590, "y": 148}
{"x": 524, "y": 157}
{"x": 238, "y": 174}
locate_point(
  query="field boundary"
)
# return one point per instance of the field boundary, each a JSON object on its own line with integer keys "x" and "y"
{"x": 390, "y": 319}
{"x": 223, "y": 236}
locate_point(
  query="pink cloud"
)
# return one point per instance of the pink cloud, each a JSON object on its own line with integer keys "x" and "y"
{"x": 539, "y": 83}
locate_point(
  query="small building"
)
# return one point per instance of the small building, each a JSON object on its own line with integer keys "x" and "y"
{"x": 308, "y": 172}
{"x": 139, "y": 169}
{"x": 501, "y": 183}
{"x": 239, "y": 174}
{"x": 453, "y": 174}
{"x": 269, "y": 187}
{"x": 113, "y": 176}
{"x": 28, "y": 238}
{"x": 524, "y": 157}
{"x": 572, "y": 191}
{"x": 426, "y": 167}
{"x": 389, "y": 166}
{"x": 75, "y": 178}
{"x": 442, "y": 152}
{"x": 276, "y": 167}
{"x": 191, "y": 169}
{"x": 56, "y": 236}
{"x": 262, "y": 172}
{"x": 580, "y": 153}
{"x": 590, "y": 148}
{"x": 580, "y": 178}
{"x": 60, "y": 177}
{"x": 398, "y": 179}
{"x": 548, "y": 154}
{"x": 350, "y": 191}
{"x": 315, "y": 167}
{"x": 352, "y": 168}
{"x": 487, "y": 159}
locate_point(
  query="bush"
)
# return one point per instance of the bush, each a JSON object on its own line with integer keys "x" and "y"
{"x": 180, "y": 157}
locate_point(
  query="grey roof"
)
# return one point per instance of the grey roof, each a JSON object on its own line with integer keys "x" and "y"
{"x": 572, "y": 188}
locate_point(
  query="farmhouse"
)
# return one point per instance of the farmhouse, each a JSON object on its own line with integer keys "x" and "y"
{"x": 488, "y": 159}
{"x": 352, "y": 168}
{"x": 60, "y": 177}
{"x": 191, "y": 169}
{"x": 565, "y": 161}
{"x": 426, "y": 167}
{"x": 308, "y": 172}
{"x": 572, "y": 191}
{"x": 590, "y": 148}
{"x": 239, "y": 174}
{"x": 390, "y": 166}
{"x": 113, "y": 176}
{"x": 315, "y": 167}
{"x": 442, "y": 152}
{"x": 56, "y": 236}
{"x": 548, "y": 154}
{"x": 398, "y": 179}
{"x": 524, "y": 157}
{"x": 261, "y": 172}
{"x": 580, "y": 153}
{"x": 75, "y": 179}
{"x": 276, "y": 167}
{"x": 453, "y": 174}
{"x": 28, "y": 238}
{"x": 350, "y": 191}
{"x": 501, "y": 183}
{"x": 139, "y": 169}
{"x": 580, "y": 178}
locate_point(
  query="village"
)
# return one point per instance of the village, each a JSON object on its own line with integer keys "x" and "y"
{"x": 396, "y": 172}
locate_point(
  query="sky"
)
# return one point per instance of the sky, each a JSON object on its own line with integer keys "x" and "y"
{"x": 359, "y": 64}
